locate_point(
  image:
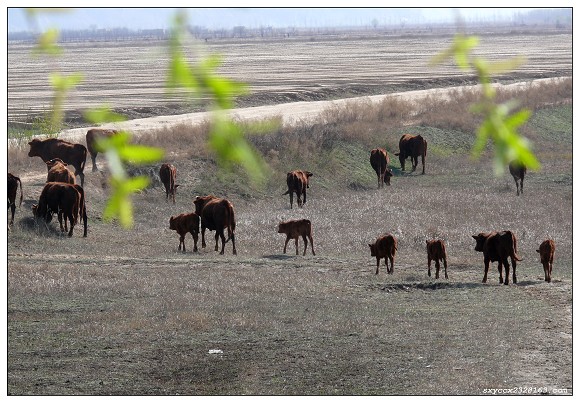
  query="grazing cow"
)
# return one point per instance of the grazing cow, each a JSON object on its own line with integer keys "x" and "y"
{"x": 57, "y": 172}
{"x": 518, "y": 171}
{"x": 497, "y": 247}
{"x": 546, "y": 252}
{"x": 92, "y": 135}
{"x": 184, "y": 223}
{"x": 64, "y": 199}
{"x": 13, "y": 182}
{"x": 436, "y": 251}
{"x": 412, "y": 146}
{"x": 295, "y": 229}
{"x": 168, "y": 174}
{"x": 297, "y": 182}
{"x": 216, "y": 214}
{"x": 380, "y": 163}
{"x": 385, "y": 247}
{"x": 72, "y": 154}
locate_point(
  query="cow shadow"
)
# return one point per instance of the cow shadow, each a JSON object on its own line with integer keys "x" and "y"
{"x": 430, "y": 286}
{"x": 279, "y": 257}
{"x": 40, "y": 227}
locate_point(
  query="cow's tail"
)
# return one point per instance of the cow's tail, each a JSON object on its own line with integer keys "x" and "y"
{"x": 285, "y": 193}
{"x": 424, "y": 148}
{"x": 230, "y": 222}
{"x": 515, "y": 255}
{"x": 18, "y": 179}
{"x": 84, "y": 160}
{"x": 82, "y": 209}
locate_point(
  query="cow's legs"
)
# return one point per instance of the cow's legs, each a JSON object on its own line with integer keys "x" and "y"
{"x": 217, "y": 236}
{"x": 414, "y": 162}
{"x": 515, "y": 280}
{"x": 233, "y": 238}
{"x": 194, "y": 235}
{"x": 202, "y": 236}
{"x": 286, "y": 243}
{"x": 429, "y": 266}
{"x": 291, "y": 198}
{"x": 181, "y": 242}
{"x": 423, "y": 163}
{"x": 94, "y": 159}
{"x": 485, "y": 270}
{"x": 72, "y": 223}
{"x": 13, "y": 210}
{"x": 82, "y": 176}
{"x": 378, "y": 263}
{"x": 392, "y": 259}
{"x": 296, "y": 243}
{"x": 387, "y": 264}
{"x": 305, "y": 244}
{"x": 445, "y": 266}
{"x": 500, "y": 265}
{"x": 517, "y": 186}
{"x": 311, "y": 244}
{"x": 304, "y": 201}
{"x": 437, "y": 267}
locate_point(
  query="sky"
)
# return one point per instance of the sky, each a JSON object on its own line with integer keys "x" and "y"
{"x": 228, "y": 17}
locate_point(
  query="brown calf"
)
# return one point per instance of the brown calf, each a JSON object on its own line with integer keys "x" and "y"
{"x": 64, "y": 199}
{"x": 13, "y": 182}
{"x": 497, "y": 247}
{"x": 295, "y": 229}
{"x": 412, "y": 146}
{"x": 297, "y": 182}
{"x": 57, "y": 172}
{"x": 385, "y": 247}
{"x": 216, "y": 214}
{"x": 546, "y": 252}
{"x": 436, "y": 251}
{"x": 183, "y": 224}
{"x": 518, "y": 171}
{"x": 168, "y": 175}
{"x": 72, "y": 154}
{"x": 380, "y": 163}
{"x": 92, "y": 136}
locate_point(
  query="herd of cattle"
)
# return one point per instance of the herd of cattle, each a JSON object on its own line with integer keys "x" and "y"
{"x": 62, "y": 196}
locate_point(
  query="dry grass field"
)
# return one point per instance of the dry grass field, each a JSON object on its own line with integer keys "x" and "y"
{"x": 122, "y": 312}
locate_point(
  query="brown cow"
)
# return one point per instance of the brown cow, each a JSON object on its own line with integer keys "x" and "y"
{"x": 295, "y": 229}
{"x": 184, "y": 223}
{"x": 168, "y": 174}
{"x": 380, "y": 163}
{"x": 13, "y": 182}
{"x": 518, "y": 171}
{"x": 64, "y": 199}
{"x": 412, "y": 146}
{"x": 297, "y": 182}
{"x": 546, "y": 252}
{"x": 385, "y": 247}
{"x": 497, "y": 247}
{"x": 436, "y": 251}
{"x": 72, "y": 154}
{"x": 92, "y": 135}
{"x": 57, "y": 172}
{"x": 216, "y": 214}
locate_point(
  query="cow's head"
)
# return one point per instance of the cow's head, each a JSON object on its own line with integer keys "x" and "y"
{"x": 34, "y": 148}
{"x": 402, "y": 158}
{"x": 200, "y": 202}
{"x": 282, "y": 228}
{"x": 55, "y": 161}
{"x": 172, "y": 223}
{"x": 373, "y": 249}
{"x": 480, "y": 241}
{"x": 387, "y": 177}
{"x": 34, "y": 209}
{"x": 308, "y": 175}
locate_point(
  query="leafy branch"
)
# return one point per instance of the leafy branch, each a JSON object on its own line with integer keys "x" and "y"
{"x": 500, "y": 121}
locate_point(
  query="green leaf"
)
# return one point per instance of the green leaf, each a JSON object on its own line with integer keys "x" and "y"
{"x": 47, "y": 43}
{"x": 139, "y": 154}
{"x": 103, "y": 114}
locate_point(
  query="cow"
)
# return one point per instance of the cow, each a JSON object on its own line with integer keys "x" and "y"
{"x": 58, "y": 172}
{"x": 518, "y": 171}
{"x": 436, "y": 251}
{"x": 64, "y": 199}
{"x": 72, "y": 154}
{"x": 183, "y": 224}
{"x": 216, "y": 214}
{"x": 168, "y": 174}
{"x": 497, "y": 247}
{"x": 13, "y": 182}
{"x": 92, "y": 136}
{"x": 414, "y": 147}
{"x": 380, "y": 163}
{"x": 385, "y": 247}
{"x": 297, "y": 182}
{"x": 295, "y": 229}
{"x": 546, "y": 252}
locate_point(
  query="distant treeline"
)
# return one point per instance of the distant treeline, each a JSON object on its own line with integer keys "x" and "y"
{"x": 538, "y": 19}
